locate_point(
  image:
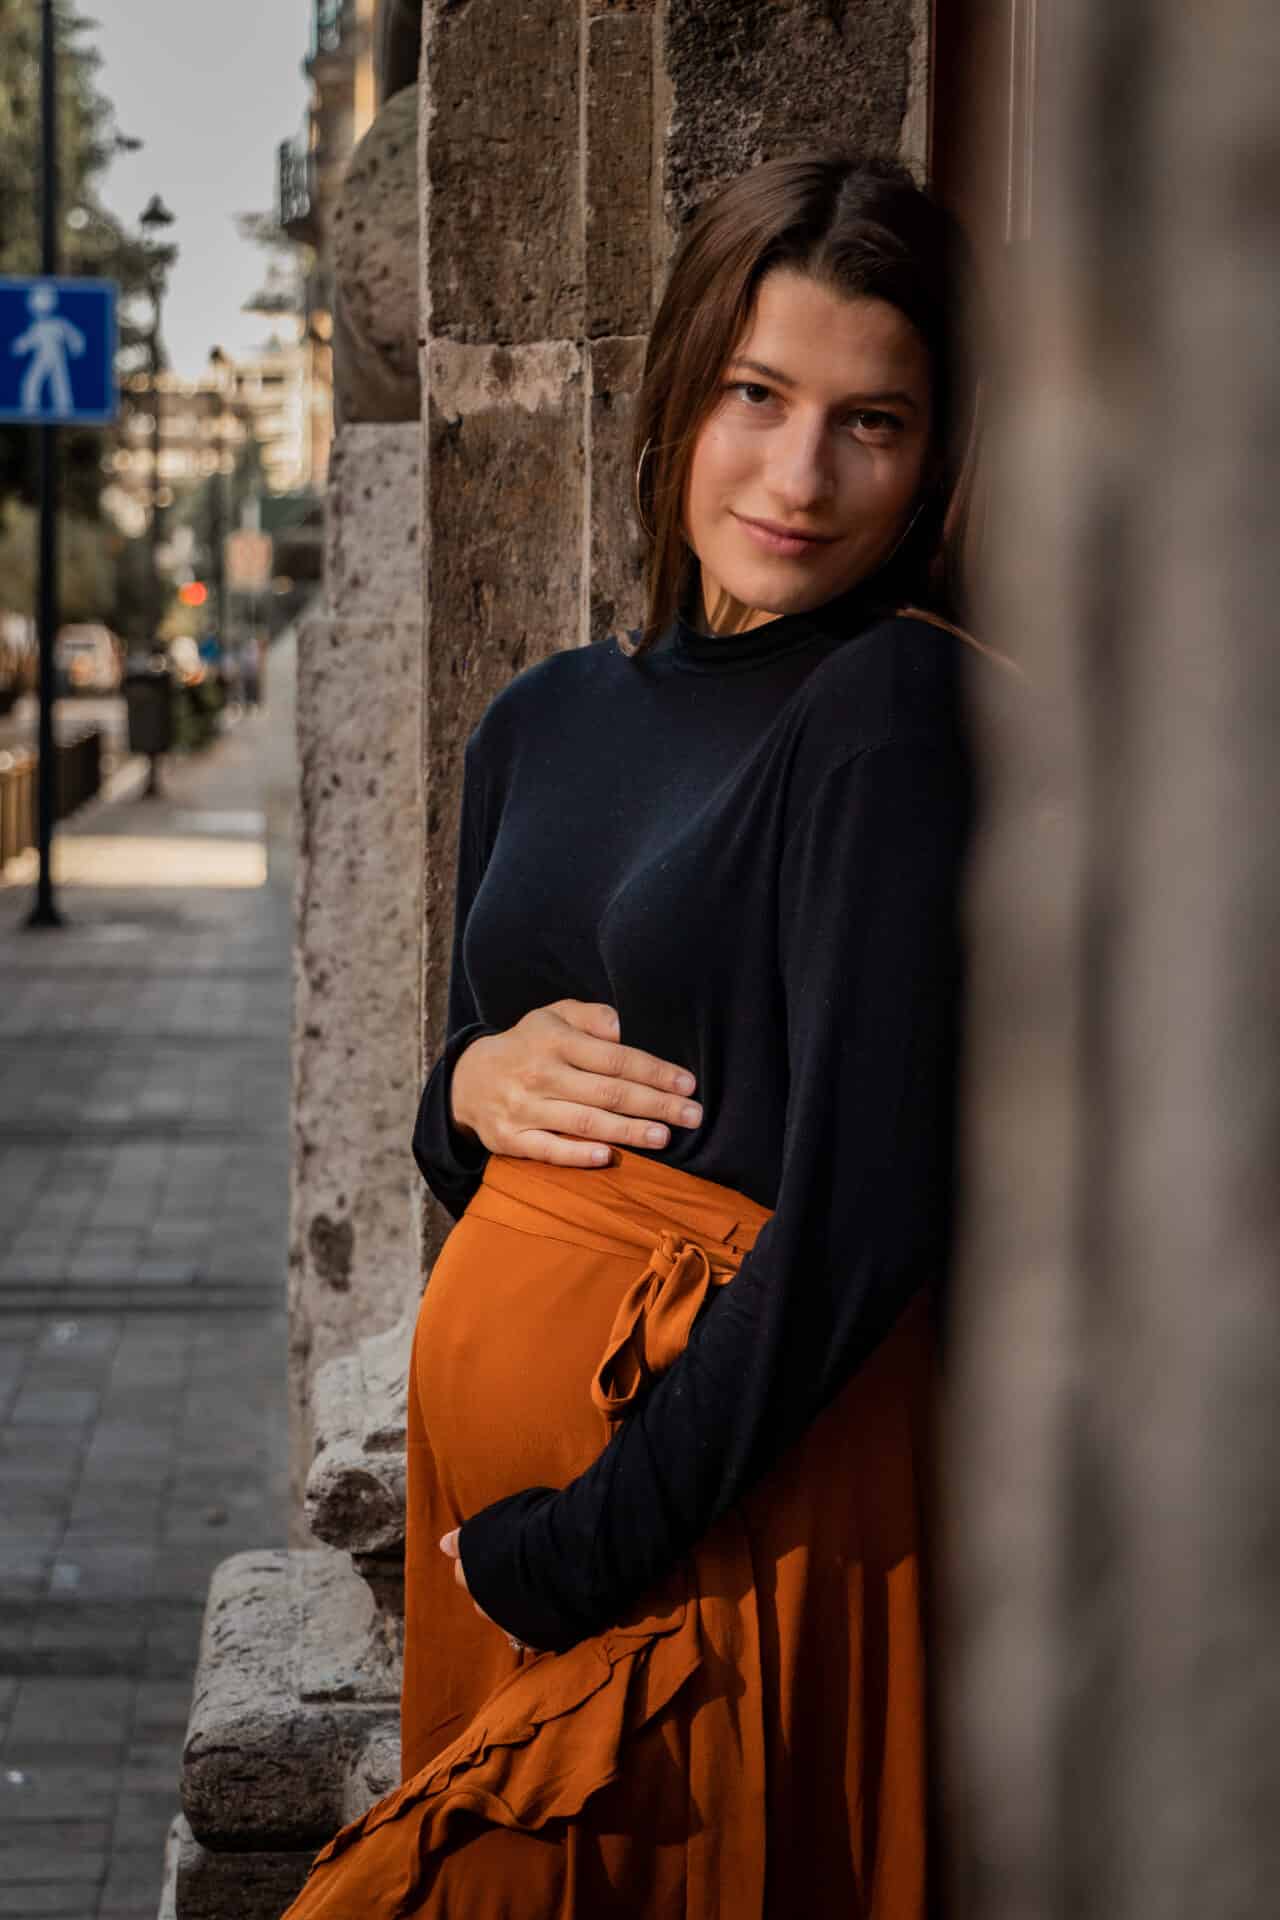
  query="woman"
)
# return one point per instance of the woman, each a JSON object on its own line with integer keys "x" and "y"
{"x": 671, "y": 1386}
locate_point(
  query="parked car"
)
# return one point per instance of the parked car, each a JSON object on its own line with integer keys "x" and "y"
{"x": 88, "y": 660}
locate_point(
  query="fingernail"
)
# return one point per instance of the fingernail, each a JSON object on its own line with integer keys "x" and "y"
{"x": 685, "y": 1083}
{"x": 691, "y": 1116}
{"x": 655, "y": 1136}
{"x": 446, "y": 1543}
{"x": 599, "y": 1155}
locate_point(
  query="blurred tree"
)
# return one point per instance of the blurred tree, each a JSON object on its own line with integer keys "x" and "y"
{"x": 86, "y": 565}
{"x": 92, "y": 241}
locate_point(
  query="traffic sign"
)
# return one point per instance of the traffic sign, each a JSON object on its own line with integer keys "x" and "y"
{"x": 57, "y": 352}
{"x": 248, "y": 560}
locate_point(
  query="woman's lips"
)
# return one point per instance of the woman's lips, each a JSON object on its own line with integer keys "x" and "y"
{"x": 772, "y": 538}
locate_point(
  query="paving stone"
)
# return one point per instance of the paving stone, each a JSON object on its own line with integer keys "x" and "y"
{"x": 24, "y": 1568}
{"x": 50, "y": 1792}
{"x": 134, "y": 1875}
{"x": 142, "y": 1422}
{"x": 65, "y": 1712}
{"x": 53, "y": 1406}
{"x": 32, "y": 1851}
{"x": 59, "y": 1900}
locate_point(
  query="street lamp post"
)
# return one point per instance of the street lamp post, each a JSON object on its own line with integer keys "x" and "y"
{"x": 217, "y": 503}
{"x": 44, "y": 912}
{"x": 155, "y": 216}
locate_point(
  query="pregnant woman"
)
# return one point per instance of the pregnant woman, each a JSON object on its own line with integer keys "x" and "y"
{"x": 666, "y": 1576}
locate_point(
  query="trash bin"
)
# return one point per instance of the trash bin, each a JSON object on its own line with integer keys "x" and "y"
{"x": 148, "y": 696}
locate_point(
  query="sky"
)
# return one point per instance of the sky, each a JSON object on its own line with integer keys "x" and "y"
{"x": 210, "y": 91}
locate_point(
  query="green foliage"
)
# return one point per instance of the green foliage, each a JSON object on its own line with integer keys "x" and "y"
{"x": 91, "y": 241}
{"x": 86, "y": 565}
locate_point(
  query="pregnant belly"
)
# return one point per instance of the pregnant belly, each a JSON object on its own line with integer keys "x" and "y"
{"x": 510, "y": 1332}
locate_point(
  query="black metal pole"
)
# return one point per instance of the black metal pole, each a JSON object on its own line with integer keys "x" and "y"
{"x": 44, "y": 913}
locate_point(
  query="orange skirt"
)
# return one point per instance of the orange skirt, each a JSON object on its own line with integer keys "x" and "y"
{"x": 751, "y": 1740}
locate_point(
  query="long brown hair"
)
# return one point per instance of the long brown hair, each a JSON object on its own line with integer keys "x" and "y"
{"x": 863, "y": 227}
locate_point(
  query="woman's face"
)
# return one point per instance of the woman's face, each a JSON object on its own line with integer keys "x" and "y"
{"x": 810, "y": 464}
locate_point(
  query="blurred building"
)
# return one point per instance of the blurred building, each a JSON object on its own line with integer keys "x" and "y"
{"x": 310, "y": 168}
{"x": 172, "y": 435}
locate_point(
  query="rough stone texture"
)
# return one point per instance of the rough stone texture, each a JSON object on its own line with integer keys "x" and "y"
{"x": 617, "y": 553}
{"x": 348, "y": 1647}
{"x": 1117, "y": 1571}
{"x": 505, "y": 255}
{"x": 750, "y": 79}
{"x": 374, "y": 1772}
{"x": 274, "y": 1737}
{"x": 375, "y": 272}
{"x": 618, "y": 172}
{"x": 200, "y": 1885}
{"x": 505, "y": 512}
{"x": 913, "y": 139}
{"x": 352, "y": 1262}
{"x": 355, "y": 1489}
{"x": 372, "y": 561}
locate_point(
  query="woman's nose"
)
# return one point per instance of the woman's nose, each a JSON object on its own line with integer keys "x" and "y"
{"x": 800, "y": 474}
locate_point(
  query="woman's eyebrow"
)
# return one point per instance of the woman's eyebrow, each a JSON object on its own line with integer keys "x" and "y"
{"x": 897, "y": 396}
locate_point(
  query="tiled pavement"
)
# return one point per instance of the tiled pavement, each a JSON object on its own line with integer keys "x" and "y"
{"x": 143, "y": 1180}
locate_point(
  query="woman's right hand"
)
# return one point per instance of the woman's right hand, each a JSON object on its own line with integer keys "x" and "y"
{"x": 559, "y": 1085}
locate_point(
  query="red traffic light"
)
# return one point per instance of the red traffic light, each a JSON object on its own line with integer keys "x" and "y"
{"x": 193, "y": 593}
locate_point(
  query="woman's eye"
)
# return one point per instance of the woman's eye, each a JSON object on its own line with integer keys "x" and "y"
{"x": 872, "y": 420}
{"x": 751, "y": 391}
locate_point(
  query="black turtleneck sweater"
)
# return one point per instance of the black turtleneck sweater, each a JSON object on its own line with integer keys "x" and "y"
{"x": 752, "y": 849}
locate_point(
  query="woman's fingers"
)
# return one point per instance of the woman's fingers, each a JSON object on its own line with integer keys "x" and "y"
{"x": 534, "y": 1143}
{"x": 630, "y": 1066}
{"x": 582, "y": 1121}
{"x": 588, "y": 1016}
{"x": 626, "y": 1097}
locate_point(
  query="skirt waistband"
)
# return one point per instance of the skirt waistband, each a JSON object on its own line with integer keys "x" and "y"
{"x": 628, "y": 1203}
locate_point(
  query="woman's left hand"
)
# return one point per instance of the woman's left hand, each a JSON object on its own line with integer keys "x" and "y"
{"x": 449, "y": 1547}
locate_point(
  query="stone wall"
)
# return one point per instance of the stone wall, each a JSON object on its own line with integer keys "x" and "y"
{"x": 1116, "y": 1589}
{"x": 353, "y": 1261}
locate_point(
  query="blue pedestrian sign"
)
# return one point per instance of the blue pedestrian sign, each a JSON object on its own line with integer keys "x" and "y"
{"x": 57, "y": 352}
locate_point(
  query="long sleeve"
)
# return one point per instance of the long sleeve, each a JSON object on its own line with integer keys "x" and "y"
{"x": 869, "y": 956}
{"x": 451, "y": 1162}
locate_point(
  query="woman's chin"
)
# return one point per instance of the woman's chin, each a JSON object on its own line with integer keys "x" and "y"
{"x": 773, "y": 598}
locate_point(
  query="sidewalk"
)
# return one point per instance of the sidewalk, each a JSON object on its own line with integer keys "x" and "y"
{"x": 143, "y": 1201}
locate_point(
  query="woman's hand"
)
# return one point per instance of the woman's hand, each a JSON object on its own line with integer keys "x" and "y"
{"x": 560, "y": 1081}
{"x": 449, "y": 1547}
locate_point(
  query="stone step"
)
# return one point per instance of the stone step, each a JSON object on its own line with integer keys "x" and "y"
{"x": 355, "y": 1489}
{"x": 295, "y": 1717}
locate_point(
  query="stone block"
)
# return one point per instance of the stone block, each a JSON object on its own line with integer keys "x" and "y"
{"x": 356, "y": 1487}
{"x": 505, "y": 469}
{"x": 504, "y": 252}
{"x": 749, "y": 79}
{"x": 372, "y": 560}
{"x": 353, "y": 1265}
{"x": 293, "y": 1680}
{"x": 619, "y": 166}
{"x": 375, "y": 269}
{"x": 200, "y": 1885}
{"x": 617, "y": 550}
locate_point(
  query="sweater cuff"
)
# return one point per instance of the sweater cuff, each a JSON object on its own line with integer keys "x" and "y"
{"x": 491, "y": 1546}
{"x": 451, "y": 1161}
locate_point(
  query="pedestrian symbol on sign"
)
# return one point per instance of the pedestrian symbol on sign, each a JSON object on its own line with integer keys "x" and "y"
{"x": 49, "y": 339}
{"x": 57, "y": 351}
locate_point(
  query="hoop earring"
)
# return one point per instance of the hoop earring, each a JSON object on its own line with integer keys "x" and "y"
{"x": 902, "y": 539}
{"x": 645, "y": 451}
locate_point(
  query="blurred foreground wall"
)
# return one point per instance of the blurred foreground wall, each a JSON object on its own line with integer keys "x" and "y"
{"x": 1115, "y": 1490}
